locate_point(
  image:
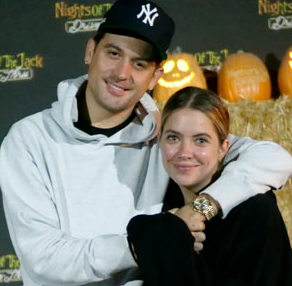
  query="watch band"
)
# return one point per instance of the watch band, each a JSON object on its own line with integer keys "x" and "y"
{"x": 203, "y": 205}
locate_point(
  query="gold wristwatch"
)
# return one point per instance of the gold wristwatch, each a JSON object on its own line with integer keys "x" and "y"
{"x": 203, "y": 205}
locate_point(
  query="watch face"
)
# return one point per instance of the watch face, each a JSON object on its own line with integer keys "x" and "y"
{"x": 201, "y": 204}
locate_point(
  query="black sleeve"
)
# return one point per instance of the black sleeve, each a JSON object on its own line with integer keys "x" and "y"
{"x": 248, "y": 248}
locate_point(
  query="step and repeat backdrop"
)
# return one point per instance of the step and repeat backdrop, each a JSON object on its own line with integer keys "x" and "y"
{"x": 42, "y": 42}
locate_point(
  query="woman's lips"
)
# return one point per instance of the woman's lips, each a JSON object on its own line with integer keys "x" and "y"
{"x": 185, "y": 167}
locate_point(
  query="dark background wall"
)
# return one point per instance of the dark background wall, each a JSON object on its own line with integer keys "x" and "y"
{"x": 42, "y": 42}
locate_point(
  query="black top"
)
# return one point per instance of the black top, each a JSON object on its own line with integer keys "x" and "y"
{"x": 250, "y": 247}
{"x": 84, "y": 123}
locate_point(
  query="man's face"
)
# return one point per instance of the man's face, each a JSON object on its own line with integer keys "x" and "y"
{"x": 120, "y": 72}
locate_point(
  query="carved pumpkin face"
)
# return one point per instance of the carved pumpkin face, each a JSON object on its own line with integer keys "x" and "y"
{"x": 180, "y": 70}
{"x": 244, "y": 76}
{"x": 285, "y": 73}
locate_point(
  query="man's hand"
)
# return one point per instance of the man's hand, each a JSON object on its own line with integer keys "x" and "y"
{"x": 195, "y": 222}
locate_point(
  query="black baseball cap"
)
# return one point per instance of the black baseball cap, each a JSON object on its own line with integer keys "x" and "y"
{"x": 143, "y": 19}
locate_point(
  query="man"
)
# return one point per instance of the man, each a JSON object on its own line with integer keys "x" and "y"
{"x": 72, "y": 176}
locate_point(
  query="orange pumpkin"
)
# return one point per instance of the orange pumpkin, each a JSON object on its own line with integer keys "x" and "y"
{"x": 244, "y": 76}
{"x": 180, "y": 70}
{"x": 285, "y": 73}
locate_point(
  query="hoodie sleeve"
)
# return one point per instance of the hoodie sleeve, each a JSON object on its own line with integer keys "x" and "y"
{"x": 48, "y": 255}
{"x": 251, "y": 167}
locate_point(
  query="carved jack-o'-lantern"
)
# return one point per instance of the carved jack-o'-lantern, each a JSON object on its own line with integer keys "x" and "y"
{"x": 244, "y": 76}
{"x": 180, "y": 70}
{"x": 285, "y": 73}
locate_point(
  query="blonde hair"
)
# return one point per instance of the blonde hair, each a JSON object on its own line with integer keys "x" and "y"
{"x": 202, "y": 100}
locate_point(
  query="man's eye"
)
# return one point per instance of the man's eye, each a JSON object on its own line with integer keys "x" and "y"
{"x": 113, "y": 54}
{"x": 140, "y": 65}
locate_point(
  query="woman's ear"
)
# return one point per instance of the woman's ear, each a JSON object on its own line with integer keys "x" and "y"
{"x": 223, "y": 149}
{"x": 89, "y": 51}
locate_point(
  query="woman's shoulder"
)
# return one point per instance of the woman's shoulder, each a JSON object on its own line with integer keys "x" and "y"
{"x": 259, "y": 211}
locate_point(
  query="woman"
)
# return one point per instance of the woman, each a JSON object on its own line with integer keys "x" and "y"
{"x": 249, "y": 247}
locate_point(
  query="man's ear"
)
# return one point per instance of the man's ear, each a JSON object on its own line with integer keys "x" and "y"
{"x": 156, "y": 76}
{"x": 89, "y": 51}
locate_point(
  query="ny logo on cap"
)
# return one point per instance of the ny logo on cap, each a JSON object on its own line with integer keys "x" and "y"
{"x": 149, "y": 16}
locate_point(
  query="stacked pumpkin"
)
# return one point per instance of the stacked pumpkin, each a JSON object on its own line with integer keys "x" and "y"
{"x": 244, "y": 76}
{"x": 180, "y": 70}
{"x": 285, "y": 73}
{"x": 241, "y": 76}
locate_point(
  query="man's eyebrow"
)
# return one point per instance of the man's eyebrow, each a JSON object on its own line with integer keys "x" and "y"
{"x": 112, "y": 46}
{"x": 140, "y": 58}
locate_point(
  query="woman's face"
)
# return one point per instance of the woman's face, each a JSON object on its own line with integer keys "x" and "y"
{"x": 191, "y": 149}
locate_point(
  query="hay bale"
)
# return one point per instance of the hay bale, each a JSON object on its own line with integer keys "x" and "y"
{"x": 267, "y": 120}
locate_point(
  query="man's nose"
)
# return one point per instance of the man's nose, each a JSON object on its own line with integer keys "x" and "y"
{"x": 123, "y": 70}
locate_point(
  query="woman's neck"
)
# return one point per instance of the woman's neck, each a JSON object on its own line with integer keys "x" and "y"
{"x": 188, "y": 194}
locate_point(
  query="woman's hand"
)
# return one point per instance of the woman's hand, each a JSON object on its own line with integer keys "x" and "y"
{"x": 200, "y": 237}
{"x": 195, "y": 222}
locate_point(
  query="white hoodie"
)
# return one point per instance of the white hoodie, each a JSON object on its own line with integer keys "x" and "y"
{"x": 68, "y": 196}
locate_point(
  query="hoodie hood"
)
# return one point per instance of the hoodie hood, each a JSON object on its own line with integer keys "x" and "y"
{"x": 144, "y": 127}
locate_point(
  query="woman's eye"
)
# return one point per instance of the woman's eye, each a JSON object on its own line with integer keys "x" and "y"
{"x": 201, "y": 141}
{"x": 172, "y": 138}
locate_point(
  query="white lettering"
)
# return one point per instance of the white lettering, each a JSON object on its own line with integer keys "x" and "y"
{"x": 146, "y": 10}
{"x": 10, "y": 275}
{"x": 280, "y": 22}
{"x": 16, "y": 74}
{"x": 78, "y": 25}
